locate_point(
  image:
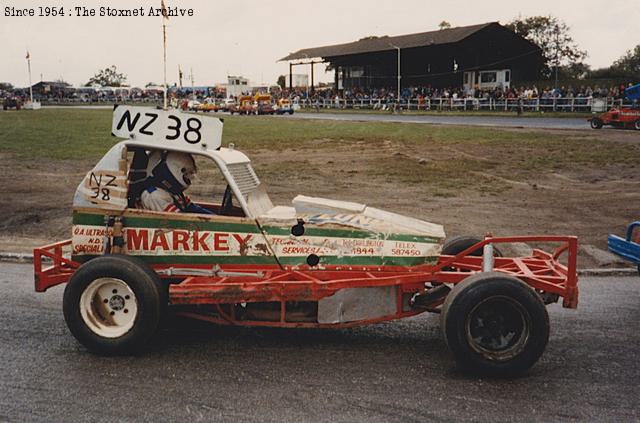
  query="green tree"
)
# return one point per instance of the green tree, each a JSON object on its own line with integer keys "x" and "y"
{"x": 553, "y": 37}
{"x": 108, "y": 77}
{"x": 629, "y": 64}
{"x": 444, "y": 25}
{"x": 282, "y": 81}
{"x": 575, "y": 71}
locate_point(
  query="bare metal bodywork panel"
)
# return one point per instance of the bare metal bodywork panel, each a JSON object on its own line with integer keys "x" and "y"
{"x": 353, "y": 304}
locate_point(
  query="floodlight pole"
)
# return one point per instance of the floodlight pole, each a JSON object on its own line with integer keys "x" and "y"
{"x": 164, "y": 53}
{"x": 557, "y": 56}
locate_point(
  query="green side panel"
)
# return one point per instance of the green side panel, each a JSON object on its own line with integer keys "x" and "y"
{"x": 208, "y": 259}
{"x": 186, "y": 260}
{"x": 154, "y": 222}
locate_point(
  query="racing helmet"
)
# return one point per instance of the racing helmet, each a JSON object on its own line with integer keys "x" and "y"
{"x": 175, "y": 171}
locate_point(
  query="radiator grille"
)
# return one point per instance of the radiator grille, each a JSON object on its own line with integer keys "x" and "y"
{"x": 244, "y": 176}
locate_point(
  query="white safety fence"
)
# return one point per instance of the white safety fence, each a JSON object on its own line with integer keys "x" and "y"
{"x": 559, "y": 104}
{"x": 565, "y": 104}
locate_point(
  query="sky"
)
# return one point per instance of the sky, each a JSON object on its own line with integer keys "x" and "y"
{"x": 247, "y": 37}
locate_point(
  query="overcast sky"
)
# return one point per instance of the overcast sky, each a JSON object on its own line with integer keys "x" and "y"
{"x": 247, "y": 37}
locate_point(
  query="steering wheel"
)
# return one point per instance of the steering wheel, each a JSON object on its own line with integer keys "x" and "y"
{"x": 227, "y": 202}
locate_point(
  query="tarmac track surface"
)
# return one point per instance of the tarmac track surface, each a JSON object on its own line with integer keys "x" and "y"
{"x": 492, "y": 121}
{"x": 394, "y": 372}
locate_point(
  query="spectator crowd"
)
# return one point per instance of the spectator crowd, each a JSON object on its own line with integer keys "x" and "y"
{"x": 418, "y": 94}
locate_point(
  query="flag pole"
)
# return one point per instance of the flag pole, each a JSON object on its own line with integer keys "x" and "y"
{"x": 193, "y": 91}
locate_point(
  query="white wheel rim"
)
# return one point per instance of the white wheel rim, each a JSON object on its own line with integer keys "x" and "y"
{"x": 109, "y": 307}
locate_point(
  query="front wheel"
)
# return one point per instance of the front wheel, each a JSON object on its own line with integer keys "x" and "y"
{"x": 114, "y": 304}
{"x": 596, "y": 123}
{"x": 636, "y": 125}
{"x": 495, "y": 324}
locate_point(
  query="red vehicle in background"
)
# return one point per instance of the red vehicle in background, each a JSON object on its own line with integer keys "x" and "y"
{"x": 264, "y": 104}
{"x": 623, "y": 117}
{"x": 245, "y": 106}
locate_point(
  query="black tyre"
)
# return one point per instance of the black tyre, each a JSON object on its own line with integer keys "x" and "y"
{"x": 458, "y": 244}
{"x": 114, "y": 304}
{"x": 636, "y": 125}
{"x": 596, "y": 123}
{"x": 495, "y": 324}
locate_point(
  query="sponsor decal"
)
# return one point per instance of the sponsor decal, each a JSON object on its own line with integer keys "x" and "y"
{"x": 105, "y": 188}
{"x": 88, "y": 239}
{"x": 156, "y": 241}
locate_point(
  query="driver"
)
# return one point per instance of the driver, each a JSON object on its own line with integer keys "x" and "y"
{"x": 171, "y": 176}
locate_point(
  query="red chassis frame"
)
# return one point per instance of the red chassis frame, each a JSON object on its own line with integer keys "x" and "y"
{"x": 542, "y": 271}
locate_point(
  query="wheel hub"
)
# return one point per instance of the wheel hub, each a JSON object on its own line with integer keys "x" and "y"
{"x": 108, "y": 307}
{"x": 116, "y": 303}
{"x": 498, "y": 328}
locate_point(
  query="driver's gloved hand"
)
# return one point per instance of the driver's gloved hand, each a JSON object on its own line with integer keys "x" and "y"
{"x": 194, "y": 208}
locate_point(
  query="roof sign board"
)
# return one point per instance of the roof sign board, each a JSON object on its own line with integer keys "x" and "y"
{"x": 168, "y": 129}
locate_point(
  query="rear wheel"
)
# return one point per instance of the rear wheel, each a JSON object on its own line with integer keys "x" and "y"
{"x": 114, "y": 304}
{"x": 596, "y": 123}
{"x": 495, "y": 324}
{"x": 636, "y": 125}
{"x": 458, "y": 244}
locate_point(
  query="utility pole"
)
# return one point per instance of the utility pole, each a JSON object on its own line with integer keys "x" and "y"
{"x": 399, "y": 75}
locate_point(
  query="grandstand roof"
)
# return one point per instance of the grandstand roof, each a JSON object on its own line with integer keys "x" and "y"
{"x": 385, "y": 43}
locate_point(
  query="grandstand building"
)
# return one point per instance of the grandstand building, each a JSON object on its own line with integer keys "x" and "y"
{"x": 484, "y": 56}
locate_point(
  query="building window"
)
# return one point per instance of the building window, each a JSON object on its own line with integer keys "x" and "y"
{"x": 356, "y": 71}
{"x": 488, "y": 77}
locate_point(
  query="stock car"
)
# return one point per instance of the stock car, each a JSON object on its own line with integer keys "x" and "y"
{"x": 284, "y": 106}
{"x": 12, "y": 102}
{"x": 628, "y": 247}
{"x": 318, "y": 263}
{"x": 621, "y": 117}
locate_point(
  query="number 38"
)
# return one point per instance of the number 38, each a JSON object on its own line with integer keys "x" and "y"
{"x": 191, "y": 135}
